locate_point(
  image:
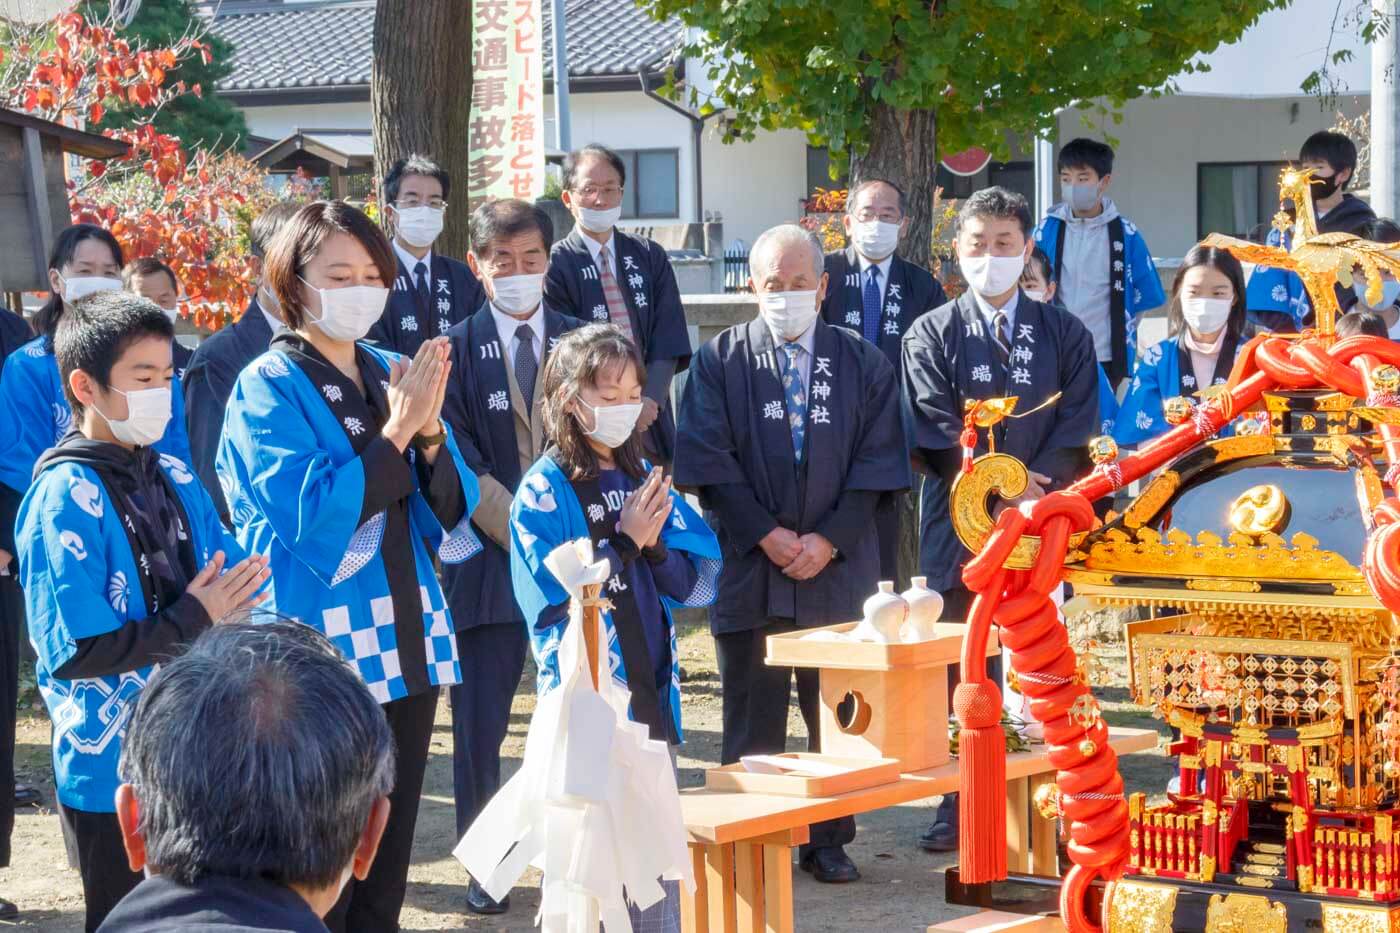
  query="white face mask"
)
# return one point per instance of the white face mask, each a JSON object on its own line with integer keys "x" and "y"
{"x": 598, "y": 221}
{"x": 613, "y": 424}
{"x": 874, "y": 239}
{"x": 517, "y": 294}
{"x": 418, "y": 226}
{"x": 172, "y": 313}
{"x": 348, "y": 313}
{"x": 789, "y": 314}
{"x": 1206, "y": 315}
{"x": 1034, "y": 294}
{"x": 80, "y": 286}
{"x": 990, "y": 276}
{"x": 147, "y": 414}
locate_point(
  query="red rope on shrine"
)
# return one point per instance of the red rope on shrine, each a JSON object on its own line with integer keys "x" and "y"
{"x": 1018, "y": 602}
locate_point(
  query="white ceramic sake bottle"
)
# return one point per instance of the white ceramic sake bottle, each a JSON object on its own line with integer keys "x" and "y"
{"x": 925, "y": 608}
{"x": 885, "y": 613}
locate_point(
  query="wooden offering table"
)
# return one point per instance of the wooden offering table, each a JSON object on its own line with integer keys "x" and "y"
{"x": 740, "y": 844}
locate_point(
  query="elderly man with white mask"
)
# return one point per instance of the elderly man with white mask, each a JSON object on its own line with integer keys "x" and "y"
{"x": 790, "y": 432}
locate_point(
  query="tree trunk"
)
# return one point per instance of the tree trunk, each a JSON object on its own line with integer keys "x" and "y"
{"x": 420, "y": 97}
{"x": 902, "y": 150}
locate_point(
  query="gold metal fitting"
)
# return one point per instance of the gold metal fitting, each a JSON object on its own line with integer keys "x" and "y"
{"x": 1178, "y": 409}
{"x": 1103, "y": 449}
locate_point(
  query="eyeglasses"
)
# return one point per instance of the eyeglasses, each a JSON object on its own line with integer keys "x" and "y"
{"x": 607, "y": 194}
{"x": 889, "y": 215}
{"x": 437, "y": 204}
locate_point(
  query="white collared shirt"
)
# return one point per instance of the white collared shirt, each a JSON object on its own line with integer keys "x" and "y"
{"x": 411, "y": 261}
{"x": 508, "y": 330}
{"x": 808, "y": 343}
{"x": 595, "y": 249}
{"x": 883, "y": 281}
{"x": 989, "y": 314}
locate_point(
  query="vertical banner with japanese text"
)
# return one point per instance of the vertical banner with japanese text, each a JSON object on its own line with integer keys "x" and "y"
{"x": 507, "y": 122}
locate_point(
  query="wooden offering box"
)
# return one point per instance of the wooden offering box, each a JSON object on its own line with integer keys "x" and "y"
{"x": 892, "y": 698}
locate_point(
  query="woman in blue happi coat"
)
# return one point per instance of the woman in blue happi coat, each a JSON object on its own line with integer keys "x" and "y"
{"x": 593, "y": 483}
{"x": 34, "y": 413}
{"x": 1207, "y": 324}
{"x": 337, "y": 467}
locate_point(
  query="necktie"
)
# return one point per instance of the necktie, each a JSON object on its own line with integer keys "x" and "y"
{"x": 526, "y": 366}
{"x": 796, "y": 394}
{"x": 617, "y": 305}
{"x": 870, "y": 305}
{"x": 425, "y": 294}
{"x": 1001, "y": 337}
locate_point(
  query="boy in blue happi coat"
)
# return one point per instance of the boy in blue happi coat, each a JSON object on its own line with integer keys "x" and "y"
{"x": 34, "y": 410}
{"x": 1102, "y": 265}
{"x": 120, "y": 556}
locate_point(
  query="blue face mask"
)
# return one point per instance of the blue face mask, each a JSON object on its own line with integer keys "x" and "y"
{"x": 1390, "y": 292}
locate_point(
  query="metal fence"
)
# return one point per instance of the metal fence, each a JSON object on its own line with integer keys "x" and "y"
{"x": 736, "y": 268}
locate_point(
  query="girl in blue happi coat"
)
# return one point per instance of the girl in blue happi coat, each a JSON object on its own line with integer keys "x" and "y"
{"x": 34, "y": 413}
{"x": 592, "y": 482}
{"x": 1207, "y": 324}
{"x": 337, "y": 466}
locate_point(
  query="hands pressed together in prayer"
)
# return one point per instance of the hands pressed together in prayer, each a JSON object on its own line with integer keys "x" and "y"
{"x": 416, "y": 392}
{"x": 646, "y": 510}
{"x": 223, "y": 593}
{"x": 801, "y": 557}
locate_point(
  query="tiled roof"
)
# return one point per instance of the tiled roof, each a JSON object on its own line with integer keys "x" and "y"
{"x": 329, "y": 45}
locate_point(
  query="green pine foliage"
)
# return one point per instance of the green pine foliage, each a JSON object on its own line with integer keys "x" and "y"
{"x": 203, "y": 121}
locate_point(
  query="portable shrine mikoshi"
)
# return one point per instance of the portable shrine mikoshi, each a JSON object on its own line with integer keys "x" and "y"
{"x": 1270, "y": 561}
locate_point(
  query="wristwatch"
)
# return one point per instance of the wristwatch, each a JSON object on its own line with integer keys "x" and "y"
{"x": 424, "y": 441}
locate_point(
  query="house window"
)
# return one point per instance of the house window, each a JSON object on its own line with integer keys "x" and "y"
{"x": 653, "y": 187}
{"x": 1237, "y": 198}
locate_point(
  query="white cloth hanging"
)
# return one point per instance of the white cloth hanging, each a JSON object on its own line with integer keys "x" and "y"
{"x": 594, "y": 805}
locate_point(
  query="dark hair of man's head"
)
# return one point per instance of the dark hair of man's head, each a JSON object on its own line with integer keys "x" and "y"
{"x": 576, "y": 160}
{"x": 576, "y": 361}
{"x": 854, "y": 194}
{"x": 257, "y": 754}
{"x": 65, "y": 247}
{"x": 1336, "y": 149}
{"x": 1226, "y": 264}
{"x": 1362, "y": 322}
{"x": 1086, "y": 153}
{"x": 266, "y": 225}
{"x": 1380, "y": 230}
{"x": 998, "y": 202}
{"x": 499, "y": 220}
{"x": 300, "y": 241}
{"x": 146, "y": 267}
{"x": 414, "y": 165}
{"x": 98, "y": 329}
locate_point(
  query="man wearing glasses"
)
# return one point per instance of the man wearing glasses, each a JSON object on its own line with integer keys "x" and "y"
{"x": 431, "y": 292}
{"x": 873, "y": 292}
{"x": 601, "y": 275}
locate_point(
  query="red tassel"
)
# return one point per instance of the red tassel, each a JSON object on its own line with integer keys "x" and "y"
{"x": 968, "y": 440}
{"x": 982, "y": 776}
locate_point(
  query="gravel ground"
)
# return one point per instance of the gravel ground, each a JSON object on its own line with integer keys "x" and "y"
{"x": 901, "y": 888}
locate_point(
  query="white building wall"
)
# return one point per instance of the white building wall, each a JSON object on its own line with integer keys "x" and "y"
{"x": 1161, "y": 142}
{"x": 278, "y": 122}
{"x": 754, "y": 185}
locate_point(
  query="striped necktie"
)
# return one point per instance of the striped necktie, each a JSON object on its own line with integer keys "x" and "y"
{"x": 612, "y": 294}
{"x": 1001, "y": 336}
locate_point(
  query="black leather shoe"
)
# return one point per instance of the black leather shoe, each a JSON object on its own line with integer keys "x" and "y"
{"x": 940, "y": 837}
{"x": 8, "y": 911}
{"x": 830, "y": 865}
{"x": 479, "y": 902}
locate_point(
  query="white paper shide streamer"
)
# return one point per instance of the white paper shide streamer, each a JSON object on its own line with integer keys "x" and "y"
{"x": 594, "y": 805}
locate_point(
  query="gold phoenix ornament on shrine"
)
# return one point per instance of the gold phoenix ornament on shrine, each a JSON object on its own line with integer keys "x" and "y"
{"x": 1321, "y": 260}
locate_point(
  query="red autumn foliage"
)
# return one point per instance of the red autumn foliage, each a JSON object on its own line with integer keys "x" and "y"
{"x": 191, "y": 210}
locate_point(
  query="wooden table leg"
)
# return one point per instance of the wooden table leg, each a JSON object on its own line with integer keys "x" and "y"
{"x": 695, "y": 908}
{"x": 1018, "y": 808}
{"x": 1045, "y": 855}
{"x": 777, "y": 888}
{"x": 749, "y": 884}
{"x": 719, "y": 884}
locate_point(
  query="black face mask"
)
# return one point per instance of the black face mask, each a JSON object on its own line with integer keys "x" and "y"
{"x": 1323, "y": 188}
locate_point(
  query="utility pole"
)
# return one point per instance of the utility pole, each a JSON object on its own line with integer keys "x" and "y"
{"x": 1385, "y": 120}
{"x": 563, "y": 137}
